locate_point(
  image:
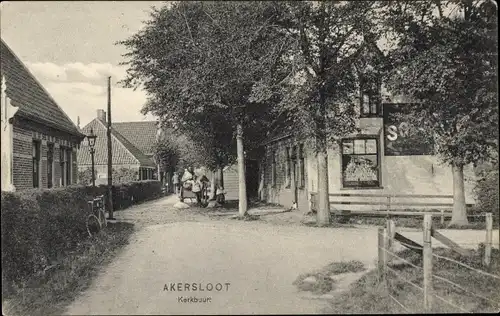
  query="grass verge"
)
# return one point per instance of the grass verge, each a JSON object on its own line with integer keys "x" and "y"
{"x": 252, "y": 203}
{"x": 332, "y": 224}
{"x": 416, "y": 222}
{"x": 368, "y": 295}
{"x": 50, "y": 292}
{"x": 246, "y": 217}
{"x": 323, "y": 281}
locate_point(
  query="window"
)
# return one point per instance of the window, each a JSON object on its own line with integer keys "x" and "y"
{"x": 288, "y": 167}
{"x": 62, "y": 164}
{"x": 273, "y": 169}
{"x": 50, "y": 165}
{"x": 370, "y": 104}
{"x": 65, "y": 163}
{"x": 294, "y": 165}
{"x": 36, "y": 164}
{"x": 69, "y": 152}
{"x": 360, "y": 163}
{"x": 302, "y": 175}
{"x": 144, "y": 174}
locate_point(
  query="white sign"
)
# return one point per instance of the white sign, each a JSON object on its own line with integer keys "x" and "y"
{"x": 402, "y": 130}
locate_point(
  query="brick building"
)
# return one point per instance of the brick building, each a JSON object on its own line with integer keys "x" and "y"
{"x": 132, "y": 144}
{"x": 39, "y": 141}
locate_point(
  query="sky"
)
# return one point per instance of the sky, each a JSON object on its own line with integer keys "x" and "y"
{"x": 69, "y": 47}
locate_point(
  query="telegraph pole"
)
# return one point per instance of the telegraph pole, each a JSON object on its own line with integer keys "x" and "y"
{"x": 110, "y": 157}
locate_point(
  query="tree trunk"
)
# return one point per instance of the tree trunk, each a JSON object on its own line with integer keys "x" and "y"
{"x": 261, "y": 182}
{"x": 241, "y": 172}
{"x": 293, "y": 184}
{"x": 459, "y": 215}
{"x": 221, "y": 176}
{"x": 212, "y": 186}
{"x": 323, "y": 213}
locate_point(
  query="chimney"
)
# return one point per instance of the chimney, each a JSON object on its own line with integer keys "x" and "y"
{"x": 101, "y": 115}
{"x": 78, "y": 122}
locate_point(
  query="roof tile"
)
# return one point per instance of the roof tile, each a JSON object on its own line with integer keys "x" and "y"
{"x": 141, "y": 134}
{"x": 124, "y": 152}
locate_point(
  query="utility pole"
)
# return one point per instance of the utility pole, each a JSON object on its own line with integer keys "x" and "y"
{"x": 110, "y": 157}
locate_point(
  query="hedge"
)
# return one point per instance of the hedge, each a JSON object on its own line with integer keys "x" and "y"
{"x": 40, "y": 226}
{"x": 126, "y": 194}
{"x": 487, "y": 190}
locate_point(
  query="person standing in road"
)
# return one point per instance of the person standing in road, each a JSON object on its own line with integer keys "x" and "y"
{"x": 176, "y": 182}
{"x": 197, "y": 189}
{"x": 220, "y": 195}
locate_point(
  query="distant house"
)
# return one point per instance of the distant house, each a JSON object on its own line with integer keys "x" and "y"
{"x": 132, "y": 145}
{"x": 39, "y": 141}
{"x": 387, "y": 156}
{"x": 231, "y": 179}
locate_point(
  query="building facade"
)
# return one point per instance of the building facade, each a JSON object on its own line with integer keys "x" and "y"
{"x": 39, "y": 141}
{"x": 362, "y": 163}
{"x": 132, "y": 144}
{"x": 387, "y": 155}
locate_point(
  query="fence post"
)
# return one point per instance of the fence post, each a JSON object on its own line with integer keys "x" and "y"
{"x": 388, "y": 204}
{"x": 427, "y": 262}
{"x": 391, "y": 230}
{"x": 489, "y": 239}
{"x": 385, "y": 256}
{"x": 442, "y": 217}
{"x": 381, "y": 252}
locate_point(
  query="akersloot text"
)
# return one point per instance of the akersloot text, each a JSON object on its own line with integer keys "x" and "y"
{"x": 196, "y": 287}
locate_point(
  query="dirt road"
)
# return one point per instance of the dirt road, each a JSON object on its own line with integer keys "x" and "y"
{"x": 252, "y": 263}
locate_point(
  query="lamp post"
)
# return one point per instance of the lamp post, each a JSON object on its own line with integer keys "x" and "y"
{"x": 91, "y": 137}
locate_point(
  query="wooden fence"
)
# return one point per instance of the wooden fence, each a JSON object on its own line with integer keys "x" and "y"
{"x": 390, "y": 204}
{"x": 386, "y": 242}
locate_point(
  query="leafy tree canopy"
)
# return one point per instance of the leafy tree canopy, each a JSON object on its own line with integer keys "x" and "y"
{"x": 202, "y": 63}
{"x": 329, "y": 38}
{"x": 445, "y": 57}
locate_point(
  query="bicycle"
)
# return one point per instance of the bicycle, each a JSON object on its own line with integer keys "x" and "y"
{"x": 97, "y": 220}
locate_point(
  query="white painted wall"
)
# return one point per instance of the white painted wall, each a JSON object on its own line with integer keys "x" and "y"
{"x": 423, "y": 174}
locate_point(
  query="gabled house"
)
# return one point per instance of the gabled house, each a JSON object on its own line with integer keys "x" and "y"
{"x": 385, "y": 156}
{"x": 132, "y": 145}
{"x": 39, "y": 141}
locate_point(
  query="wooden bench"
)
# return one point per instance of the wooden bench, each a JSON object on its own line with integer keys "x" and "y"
{"x": 390, "y": 206}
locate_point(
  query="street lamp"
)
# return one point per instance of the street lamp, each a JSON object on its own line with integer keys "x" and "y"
{"x": 91, "y": 138}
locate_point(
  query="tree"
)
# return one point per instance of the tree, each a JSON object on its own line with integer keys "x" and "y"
{"x": 445, "y": 58}
{"x": 206, "y": 141}
{"x": 166, "y": 153}
{"x": 329, "y": 36}
{"x": 200, "y": 63}
{"x": 174, "y": 150}
{"x": 85, "y": 176}
{"x": 124, "y": 175}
